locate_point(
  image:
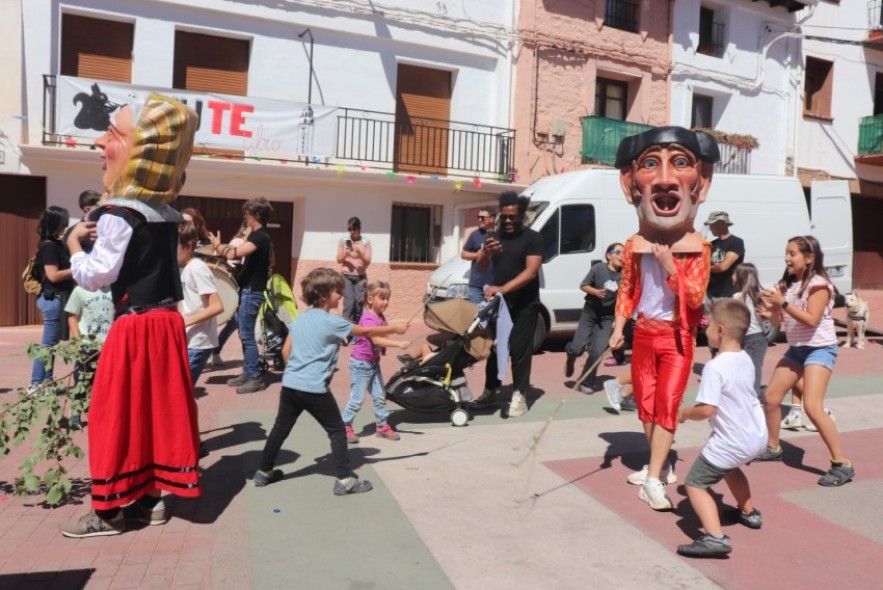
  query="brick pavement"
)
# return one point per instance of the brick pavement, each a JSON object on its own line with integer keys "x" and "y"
{"x": 450, "y": 509}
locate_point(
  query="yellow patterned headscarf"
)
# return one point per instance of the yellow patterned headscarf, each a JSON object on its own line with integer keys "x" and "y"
{"x": 161, "y": 149}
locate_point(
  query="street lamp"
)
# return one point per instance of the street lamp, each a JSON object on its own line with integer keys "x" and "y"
{"x": 310, "y": 91}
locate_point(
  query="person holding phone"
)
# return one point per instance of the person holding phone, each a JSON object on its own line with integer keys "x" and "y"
{"x": 354, "y": 256}
{"x": 474, "y": 243}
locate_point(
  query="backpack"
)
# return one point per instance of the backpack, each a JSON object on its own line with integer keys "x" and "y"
{"x": 31, "y": 278}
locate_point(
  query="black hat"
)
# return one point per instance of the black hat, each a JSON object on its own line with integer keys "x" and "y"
{"x": 701, "y": 144}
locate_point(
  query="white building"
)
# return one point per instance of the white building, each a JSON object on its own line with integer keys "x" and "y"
{"x": 415, "y": 96}
{"x": 734, "y": 70}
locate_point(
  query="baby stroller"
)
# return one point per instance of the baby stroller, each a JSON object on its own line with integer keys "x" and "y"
{"x": 438, "y": 384}
{"x": 275, "y": 314}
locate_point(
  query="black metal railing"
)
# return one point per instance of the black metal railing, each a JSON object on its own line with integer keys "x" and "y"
{"x": 423, "y": 144}
{"x": 711, "y": 41}
{"x": 622, "y": 14}
{"x": 385, "y": 140}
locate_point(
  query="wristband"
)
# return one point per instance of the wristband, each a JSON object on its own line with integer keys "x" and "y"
{"x": 784, "y": 305}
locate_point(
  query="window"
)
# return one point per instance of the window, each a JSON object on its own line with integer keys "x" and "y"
{"x": 818, "y": 87}
{"x": 570, "y": 230}
{"x": 878, "y": 94}
{"x": 622, "y": 14}
{"x": 611, "y": 97}
{"x": 702, "y": 110}
{"x": 711, "y": 33}
{"x": 415, "y": 234}
{"x": 206, "y": 63}
{"x": 96, "y": 48}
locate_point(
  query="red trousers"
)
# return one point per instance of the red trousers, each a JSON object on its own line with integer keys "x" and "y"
{"x": 662, "y": 359}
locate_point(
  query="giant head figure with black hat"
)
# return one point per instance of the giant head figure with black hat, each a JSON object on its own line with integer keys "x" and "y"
{"x": 666, "y": 173}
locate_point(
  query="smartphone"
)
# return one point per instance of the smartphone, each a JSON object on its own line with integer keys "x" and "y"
{"x": 348, "y": 243}
{"x": 492, "y": 235}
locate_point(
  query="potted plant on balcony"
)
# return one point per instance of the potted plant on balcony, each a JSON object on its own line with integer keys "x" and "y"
{"x": 741, "y": 141}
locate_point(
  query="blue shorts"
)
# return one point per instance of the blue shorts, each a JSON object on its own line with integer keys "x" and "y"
{"x": 812, "y": 355}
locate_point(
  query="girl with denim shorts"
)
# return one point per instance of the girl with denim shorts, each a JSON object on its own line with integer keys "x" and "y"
{"x": 802, "y": 302}
{"x": 365, "y": 365}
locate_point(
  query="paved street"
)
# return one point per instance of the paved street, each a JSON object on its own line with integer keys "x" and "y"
{"x": 467, "y": 508}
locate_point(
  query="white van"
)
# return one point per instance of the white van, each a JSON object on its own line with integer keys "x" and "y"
{"x": 580, "y": 213}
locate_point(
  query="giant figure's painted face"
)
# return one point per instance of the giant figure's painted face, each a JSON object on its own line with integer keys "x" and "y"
{"x": 666, "y": 184}
{"x": 116, "y": 146}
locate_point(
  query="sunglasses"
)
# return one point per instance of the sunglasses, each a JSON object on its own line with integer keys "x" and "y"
{"x": 483, "y": 217}
{"x": 615, "y": 252}
{"x": 510, "y": 217}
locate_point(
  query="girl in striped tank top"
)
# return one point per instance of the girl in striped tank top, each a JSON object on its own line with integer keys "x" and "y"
{"x": 801, "y": 303}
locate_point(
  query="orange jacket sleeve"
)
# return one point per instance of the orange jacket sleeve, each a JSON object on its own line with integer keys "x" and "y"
{"x": 627, "y": 295}
{"x": 697, "y": 269}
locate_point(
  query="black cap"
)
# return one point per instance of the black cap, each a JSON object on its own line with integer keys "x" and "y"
{"x": 703, "y": 145}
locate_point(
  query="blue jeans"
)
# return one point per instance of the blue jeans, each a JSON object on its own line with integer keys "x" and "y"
{"x": 366, "y": 377}
{"x": 52, "y": 310}
{"x": 231, "y": 326}
{"x": 197, "y": 357}
{"x": 247, "y": 314}
{"x": 476, "y": 294}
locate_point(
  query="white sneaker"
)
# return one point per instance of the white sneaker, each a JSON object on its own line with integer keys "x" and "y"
{"x": 792, "y": 421}
{"x": 812, "y": 427}
{"x": 653, "y": 493}
{"x": 639, "y": 477}
{"x": 614, "y": 394}
{"x": 518, "y": 405}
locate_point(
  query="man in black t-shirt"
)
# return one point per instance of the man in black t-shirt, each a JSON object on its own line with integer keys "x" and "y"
{"x": 516, "y": 254}
{"x": 253, "y": 275}
{"x": 727, "y": 252}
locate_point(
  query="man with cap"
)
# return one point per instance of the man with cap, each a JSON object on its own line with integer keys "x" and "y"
{"x": 727, "y": 252}
{"x": 666, "y": 174}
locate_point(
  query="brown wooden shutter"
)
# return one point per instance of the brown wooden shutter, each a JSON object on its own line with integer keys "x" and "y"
{"x": 96, "y": 48}
{"x": 423, "y": 111}
{"x": 206, "y": 63}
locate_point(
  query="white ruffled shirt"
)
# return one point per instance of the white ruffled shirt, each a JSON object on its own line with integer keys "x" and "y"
{"x": 101, "y": 267}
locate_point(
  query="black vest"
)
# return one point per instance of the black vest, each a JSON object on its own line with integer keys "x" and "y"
{"x": 150, "y": 272}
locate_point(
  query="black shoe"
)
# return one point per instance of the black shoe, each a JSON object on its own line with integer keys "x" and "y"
{"x": 706, "y": 546}
{"x": 628, "y": 403}
{"x": 487, "y": 398}
{"x": 569, "y": 365}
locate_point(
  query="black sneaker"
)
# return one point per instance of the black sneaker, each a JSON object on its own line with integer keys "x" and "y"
{"x": 837, "y": 476}
{"x": 251, "y": 386}
{"x": 569, "y": 365}
{"x": 265, "y": 478}
{"x": 752, "y": 520}
{"x": 487, "y": 398}
{"x": 237, "y": 381}
{"x": 628, "y": 403}
{"x": 706, "y": 546}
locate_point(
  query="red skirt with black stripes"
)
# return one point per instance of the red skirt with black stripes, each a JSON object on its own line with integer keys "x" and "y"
{"x": 143, "y": 431}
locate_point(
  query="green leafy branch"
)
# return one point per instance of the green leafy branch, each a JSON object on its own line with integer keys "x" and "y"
{"x": 45, "y": 415}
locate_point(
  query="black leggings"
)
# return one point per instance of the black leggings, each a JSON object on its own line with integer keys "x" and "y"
{"x": 320, "y": 406}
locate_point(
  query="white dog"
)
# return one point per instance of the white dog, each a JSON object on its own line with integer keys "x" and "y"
{"x": 857, "y": 317}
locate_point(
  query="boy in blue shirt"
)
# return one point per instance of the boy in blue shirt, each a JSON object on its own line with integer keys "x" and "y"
{"x": 308, "y": 372}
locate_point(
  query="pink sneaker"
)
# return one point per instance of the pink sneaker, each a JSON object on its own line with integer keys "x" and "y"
{"x": 387, "y": 432}
{"x": 351, "y": 437}
{"x": 611, "y": 362}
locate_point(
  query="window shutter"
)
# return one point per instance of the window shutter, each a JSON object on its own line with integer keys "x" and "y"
{"x": 206, "y": 63}
{"x": 96, "y": 48}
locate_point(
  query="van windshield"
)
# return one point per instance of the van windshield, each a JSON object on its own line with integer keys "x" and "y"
{"x": 533, "y": 211}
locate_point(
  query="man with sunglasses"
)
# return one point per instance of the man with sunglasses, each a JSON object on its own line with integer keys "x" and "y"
{"x": 516, "y": 255}
{"x": 474, "y": 243}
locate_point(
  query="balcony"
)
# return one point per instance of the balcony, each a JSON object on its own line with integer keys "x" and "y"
{"x": 870, "y": 141}
{"x": 790, "y": 5}
{"x": 601, "y": 138}
{"x": 294, "y": 133}
{"x": 875, "y": 25}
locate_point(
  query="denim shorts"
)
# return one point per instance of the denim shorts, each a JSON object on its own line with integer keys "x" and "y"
{"x": 812, "y": 355}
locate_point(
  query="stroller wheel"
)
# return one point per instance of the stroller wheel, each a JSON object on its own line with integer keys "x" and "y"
{"x": 459, "y": 417}
{"x": 265, "y": 366}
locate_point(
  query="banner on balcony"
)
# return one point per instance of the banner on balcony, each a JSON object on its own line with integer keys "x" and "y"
{"x": 255, "y": 126}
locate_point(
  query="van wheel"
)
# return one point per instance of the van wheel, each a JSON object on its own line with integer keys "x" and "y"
{"x": 539, "y": 336}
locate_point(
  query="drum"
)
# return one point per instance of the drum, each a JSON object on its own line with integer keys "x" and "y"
{"x": 228, "y": 290}
{"x": 206, "y": 253}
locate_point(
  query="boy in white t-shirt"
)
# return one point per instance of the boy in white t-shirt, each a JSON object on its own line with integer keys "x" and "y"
{"x": 738, "y": 429}
{"x": 89, "y": 315}
{"x": 201, "y": 304}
